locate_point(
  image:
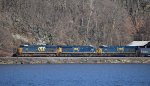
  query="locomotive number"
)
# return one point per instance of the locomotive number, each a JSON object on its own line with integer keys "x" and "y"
{"x": 41, "y": 49}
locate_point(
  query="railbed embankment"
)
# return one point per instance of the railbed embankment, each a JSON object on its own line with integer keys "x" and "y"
{"x": 78, "y": 60}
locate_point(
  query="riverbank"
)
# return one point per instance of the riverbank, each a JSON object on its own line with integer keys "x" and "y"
{"x": 64, "y": 60}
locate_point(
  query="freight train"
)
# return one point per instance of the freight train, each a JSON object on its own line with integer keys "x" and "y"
{"x": 80, "y": 51}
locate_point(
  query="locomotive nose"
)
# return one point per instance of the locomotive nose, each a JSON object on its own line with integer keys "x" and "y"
{"x": 99, "y": 51}
{"x": 59, "y": 50}
{"x": 19, "y": 50}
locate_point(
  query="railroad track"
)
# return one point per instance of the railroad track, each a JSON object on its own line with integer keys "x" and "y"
{"x": 72, "y": 57}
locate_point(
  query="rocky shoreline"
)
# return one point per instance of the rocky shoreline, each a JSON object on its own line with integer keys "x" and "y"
{"x": 72, "y": 60}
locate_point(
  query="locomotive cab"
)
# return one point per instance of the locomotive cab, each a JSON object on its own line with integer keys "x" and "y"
{"x": 17, "y": 51}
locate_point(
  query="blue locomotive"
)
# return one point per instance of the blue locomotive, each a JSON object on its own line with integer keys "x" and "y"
{"x": 78, "y": 51}
{"x": 54, "y": 50}
{"x": 36, "y": 50}
{"x": 118, "y": 51}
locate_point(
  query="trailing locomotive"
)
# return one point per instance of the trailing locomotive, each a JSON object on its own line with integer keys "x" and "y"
{"x": 79, "y": 51}
{"x": 119, "y": 51}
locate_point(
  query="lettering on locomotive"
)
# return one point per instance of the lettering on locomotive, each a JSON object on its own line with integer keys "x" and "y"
{"x": 120, "y": 49}
{"x": 41, "y": 49}
{"x": 76, "y": 49}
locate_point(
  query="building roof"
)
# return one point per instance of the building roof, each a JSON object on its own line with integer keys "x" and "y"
{"x": 138, "y": 43}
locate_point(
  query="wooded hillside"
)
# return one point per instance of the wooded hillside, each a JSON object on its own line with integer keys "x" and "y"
{"x": 73, "y": 22}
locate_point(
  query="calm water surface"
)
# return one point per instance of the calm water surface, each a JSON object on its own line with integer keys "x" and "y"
{"x": 75, "y": 75}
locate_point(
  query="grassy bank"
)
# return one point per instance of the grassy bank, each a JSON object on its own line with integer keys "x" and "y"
{"x": 62, "y": 60}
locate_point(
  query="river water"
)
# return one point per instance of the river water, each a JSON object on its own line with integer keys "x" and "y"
{"x": 75, "y": 75}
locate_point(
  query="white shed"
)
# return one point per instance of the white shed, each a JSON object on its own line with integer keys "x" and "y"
{"x": 139, "y": 43}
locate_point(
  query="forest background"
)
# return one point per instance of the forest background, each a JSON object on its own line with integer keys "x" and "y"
{"x": 72, "y": 22}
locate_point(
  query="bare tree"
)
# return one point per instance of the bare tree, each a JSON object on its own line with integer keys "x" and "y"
{"x": 73, "y": 22}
